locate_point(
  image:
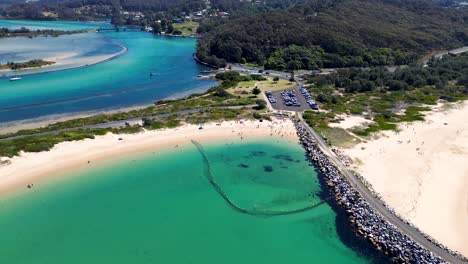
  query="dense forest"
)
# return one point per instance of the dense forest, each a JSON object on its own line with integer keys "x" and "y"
{"x": 336, "y": 33}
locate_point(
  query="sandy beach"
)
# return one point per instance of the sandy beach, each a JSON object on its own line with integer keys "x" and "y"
{"x": 422, "y": 172}
{"x": 30, "y": 168}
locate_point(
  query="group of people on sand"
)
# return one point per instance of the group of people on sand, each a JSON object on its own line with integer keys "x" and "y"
{"x": 368, "y": 222}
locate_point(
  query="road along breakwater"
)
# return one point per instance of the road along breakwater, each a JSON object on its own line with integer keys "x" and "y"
{"x": 368, "y": 223}
{"x": 428, "y": 237}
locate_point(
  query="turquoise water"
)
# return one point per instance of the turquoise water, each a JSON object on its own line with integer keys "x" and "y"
{"x": 79, "y": 50}
{"x": 160, "y": 208}
{"x": 121, "y": 82}
{"x": 56, "y": 25}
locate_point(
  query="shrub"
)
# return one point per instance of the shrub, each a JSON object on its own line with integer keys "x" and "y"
{"x": 256, "y": 115}
{"x": 147, "y": 122}
{"x": 256, "y": 91}
{"x": 261, "y": 104}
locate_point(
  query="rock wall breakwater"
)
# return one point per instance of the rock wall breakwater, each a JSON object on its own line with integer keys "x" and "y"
{"x": 368, "y": 223}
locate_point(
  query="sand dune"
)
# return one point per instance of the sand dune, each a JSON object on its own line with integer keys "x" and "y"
{"x": 422, "y": 172}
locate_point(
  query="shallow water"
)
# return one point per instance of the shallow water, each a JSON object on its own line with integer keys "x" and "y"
{"x": 161, "y": 208}
{"x": 67, "y": 51}
{"x": 118, "y": 83}
{"x": 55, "y": 25}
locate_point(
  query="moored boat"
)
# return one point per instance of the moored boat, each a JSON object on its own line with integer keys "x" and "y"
{"x": 16, "y": 78}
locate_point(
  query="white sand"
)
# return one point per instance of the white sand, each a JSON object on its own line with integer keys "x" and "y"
{"x": 71, "y": 60}
{"x": 65, "y": 60}
{"x": 422, "y": 172}
{"x": 31, "y": 168}
{"x": 61, "y": 61}
{"x": 350, "y": 121}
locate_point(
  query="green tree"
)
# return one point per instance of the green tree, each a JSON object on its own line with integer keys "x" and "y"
{"x": 156, "y": 27}
{"x": 323, "y": 98}
{"x": 170, "y": 29}
{"x": 261, "y": 104}
{"x": 163, "y": 24}
{"x": 256, "y": 91}
{"x": 291, "y": 78}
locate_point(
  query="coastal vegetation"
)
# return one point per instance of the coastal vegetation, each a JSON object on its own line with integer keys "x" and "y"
{"x": 37, "y": 143}
{"x": 335, "y": 33}
{"x": 28, "y": 64}
{"x": 163, "y": 114}
{"x": 24, "y": 32}
{"x": 386, "y": 98}
{"x": 209, "y": 99}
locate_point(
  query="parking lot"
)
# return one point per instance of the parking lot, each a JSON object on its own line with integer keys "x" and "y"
{"x": 289, "y": 100}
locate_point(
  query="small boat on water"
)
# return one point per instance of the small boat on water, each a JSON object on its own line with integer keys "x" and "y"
{"x": 16, "y": 78}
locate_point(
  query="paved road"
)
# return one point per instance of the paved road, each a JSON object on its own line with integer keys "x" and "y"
{"x": 404, "y": 227}
{"x": 254, "y": 70}
{"x": 445, "y": 53}
{"x": 286, "y": 75}
{"x": 117, "y": 124}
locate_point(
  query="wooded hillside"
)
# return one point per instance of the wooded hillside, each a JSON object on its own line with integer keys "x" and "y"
{"x": 338, "y": 32}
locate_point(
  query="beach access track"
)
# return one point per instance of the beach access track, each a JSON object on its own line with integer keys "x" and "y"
{"x": 123, "y": 123}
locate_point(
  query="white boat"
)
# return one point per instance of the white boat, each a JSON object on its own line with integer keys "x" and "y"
{"x": 16, "y": 78}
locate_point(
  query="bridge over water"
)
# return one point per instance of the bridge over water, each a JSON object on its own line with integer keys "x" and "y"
{"x": 120, "y": 28}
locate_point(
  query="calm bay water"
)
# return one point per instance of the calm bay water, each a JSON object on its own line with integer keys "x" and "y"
{"x": 67, "y": 51}
{"x": 55, "y": 25}
{"x": 161, "y": 208}
{"x": 118, "y": 83}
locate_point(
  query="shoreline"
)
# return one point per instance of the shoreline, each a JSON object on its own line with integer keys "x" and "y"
{"x": 31, "y": 168}
{"x": 24, "y": 124}
{"x": 197, "y": 60}
{"x": 47, "y": 60}
{"x": 32, "y": 123}
{"x": 364, "y": 218}
{"x": 429, "y": 186}
{"x": 112, "y": 57}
